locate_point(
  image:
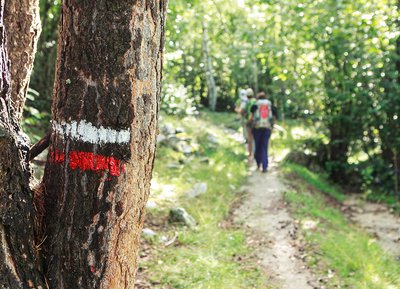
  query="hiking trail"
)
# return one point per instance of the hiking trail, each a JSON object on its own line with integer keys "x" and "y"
{"x": 274, "y": 232}
{"x": 265, "y": 213}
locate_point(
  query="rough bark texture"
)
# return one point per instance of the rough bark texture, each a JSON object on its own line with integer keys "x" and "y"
{"x": 23, "y": 28}
{"x": 18, "y": 253}
{"x": 97, "y": 183}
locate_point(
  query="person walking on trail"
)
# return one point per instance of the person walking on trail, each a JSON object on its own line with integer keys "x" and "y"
{"x": 247, "y": 112}
{"x": 240, "y": 107}
{"x": 261, "y": 120}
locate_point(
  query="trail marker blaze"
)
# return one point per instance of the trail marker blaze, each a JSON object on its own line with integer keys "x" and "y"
{"x": 88, "y": 161}
{"x": 86, "y": 132}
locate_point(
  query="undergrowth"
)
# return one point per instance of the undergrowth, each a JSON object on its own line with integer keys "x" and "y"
{"x": 211, "y": 255}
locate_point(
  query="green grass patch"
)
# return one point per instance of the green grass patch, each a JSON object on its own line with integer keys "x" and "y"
{"x": 208, "y": 255}
{"x": 319, "y": 182}
{"x": 354, "y": 256}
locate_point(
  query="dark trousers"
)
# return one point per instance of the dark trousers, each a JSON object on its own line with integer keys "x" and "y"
{"x": 261, "y": 139}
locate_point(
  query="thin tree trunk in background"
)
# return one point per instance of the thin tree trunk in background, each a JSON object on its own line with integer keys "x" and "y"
{"x": 396, "y": 174}
{"x": 18, "y": 251}
{"x": 23, "y": 29}
{"x": 396, "y": 157}
{"x": 254, "y": 66}
{"x": 255, "y": 75}
{"x": 104, "y": 117}
{"x": 212, "y": 89}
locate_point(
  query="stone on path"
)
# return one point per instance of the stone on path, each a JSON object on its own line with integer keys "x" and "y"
{"x": 180, "y": 215}
{"x": 197, "y": 190}
{"x": 148, "y": 232}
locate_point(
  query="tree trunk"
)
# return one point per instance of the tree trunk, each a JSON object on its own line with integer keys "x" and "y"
{"x": 104, "y": 117}
{"x": 23, "y": 28}
{"x": 338, "y": 148}
{"x": 255, "y": 75}
{"x": 18, "y": 251}
{"x": 212, "y": 89}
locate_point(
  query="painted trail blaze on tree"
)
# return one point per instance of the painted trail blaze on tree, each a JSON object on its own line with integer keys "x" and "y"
{"x": 104, "y": 118}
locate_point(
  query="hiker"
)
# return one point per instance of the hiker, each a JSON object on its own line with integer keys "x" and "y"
{"x": 240, "y": 107}
{"x": 247, "y": 112}
{"x": 261, "y": 120}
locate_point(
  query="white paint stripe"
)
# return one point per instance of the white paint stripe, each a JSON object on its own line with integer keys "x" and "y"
{"x": 86, "y": 132}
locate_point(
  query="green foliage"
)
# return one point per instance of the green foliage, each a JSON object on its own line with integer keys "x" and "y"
{"x": 175, "y": 100}
{"x": 37, "y": 110}
{"x": 335, "y": 62}
{"x": 35, "y": 121}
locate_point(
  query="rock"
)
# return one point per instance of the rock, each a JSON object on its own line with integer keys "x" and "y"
{"x": 183, "y": 147}
{"x": 163, "y": 239}
{"x": 197, "y": 190}
{"x": 168, "y": 129}
{"x": 172, "y": 141}
{"x": 161, "y": 138}
{"x": 147, "y": 232}
{"x": 204, "y": 160}
{"x": 309, "y": 224}
{"x": 174, "y": 165}
{"x": 180, "y": 215}
{"x": 179, "y": 130}
{"x": 212, "y": 139}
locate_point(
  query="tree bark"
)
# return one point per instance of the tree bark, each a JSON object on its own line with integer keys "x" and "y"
{"x": 104, "y": 117}
{"x": 23, "y": 29}
{"x": 18, "y": 251}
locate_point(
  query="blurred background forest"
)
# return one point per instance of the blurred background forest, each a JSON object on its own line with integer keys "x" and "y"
{"x": 333, "y": 65}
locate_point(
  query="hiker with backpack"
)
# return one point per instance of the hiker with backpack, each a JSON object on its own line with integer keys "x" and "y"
{"x": 240, "y": 107}
{"x": 247, "y": 112}
{"x": 261, "y": 121}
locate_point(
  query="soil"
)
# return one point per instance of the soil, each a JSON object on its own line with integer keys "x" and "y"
{"x": 378, "y": 220}
{"x": 280, "y": 251}
{"x": 265, "y": 213}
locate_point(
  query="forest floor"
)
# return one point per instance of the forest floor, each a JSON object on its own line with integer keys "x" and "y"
{"x": 378, "y": 220}
{"x": 275, "y": 236}
{"x": 289, "y": 228}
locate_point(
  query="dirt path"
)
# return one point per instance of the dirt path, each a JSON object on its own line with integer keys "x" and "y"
{"x": 265, "y": 213}
{"x": 378, "y": 221}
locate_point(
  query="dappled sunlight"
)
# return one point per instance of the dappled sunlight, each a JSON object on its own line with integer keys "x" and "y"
{"x": 299, "y": 133}
{"x": 317, "y": 83}
{"x": 204, "y": 182}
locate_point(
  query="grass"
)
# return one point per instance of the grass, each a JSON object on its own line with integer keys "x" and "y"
{"x": 208, "y": 255}
{"x": 319, "y": 182}
{"x": 335, "y": 245}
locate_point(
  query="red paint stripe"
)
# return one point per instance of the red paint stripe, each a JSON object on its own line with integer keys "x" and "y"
{"x": 89, "y": 161}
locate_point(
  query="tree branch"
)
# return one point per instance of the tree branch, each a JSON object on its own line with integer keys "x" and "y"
{"x": 39, "y": 146}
